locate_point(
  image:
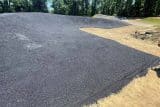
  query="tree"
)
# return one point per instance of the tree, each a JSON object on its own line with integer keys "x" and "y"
{"x": 83, "y": 7}
{"x": 86, "y": 6}
{"x": 22, "y": 5}
{"x": 137, "y": 8}
{"x": 119, "y": 7}
{"x": 75, "y": 8}
{"x": 39, "y": 5}
{"x": 128, "y": 7}
{"x": 65, "y": 7}
{"x": 94, "y": 6}
{"x": 5, "y": 5}
{"x": 157, "y": 8}
{"x": 59, "y": 7}
{"x": 149, "y": 7}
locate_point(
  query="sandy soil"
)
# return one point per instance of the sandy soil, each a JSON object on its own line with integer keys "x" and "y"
{"x": 141, "y": 92}
{"x": 123, "y": 36}
{"x": 137, "y": 23}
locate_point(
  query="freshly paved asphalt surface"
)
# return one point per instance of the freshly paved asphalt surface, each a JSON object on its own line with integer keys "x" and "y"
{"x": 46, "y": 61}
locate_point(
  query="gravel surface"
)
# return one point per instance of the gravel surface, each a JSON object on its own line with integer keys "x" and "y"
{"x": 46, "y": 61}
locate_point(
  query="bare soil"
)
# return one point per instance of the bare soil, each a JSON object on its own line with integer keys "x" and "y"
{"x": 142, "y": 91}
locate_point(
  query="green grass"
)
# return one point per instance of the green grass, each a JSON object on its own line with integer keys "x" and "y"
{"x": 152, "y": 20}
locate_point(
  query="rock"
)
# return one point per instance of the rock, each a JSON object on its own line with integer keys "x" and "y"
{"x": 159, "y": 43}
{"x": 142, "y": 33}
{"x": 148, "y": 33}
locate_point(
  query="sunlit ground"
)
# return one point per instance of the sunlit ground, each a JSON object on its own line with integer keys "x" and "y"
{"x": 142, "y": 91}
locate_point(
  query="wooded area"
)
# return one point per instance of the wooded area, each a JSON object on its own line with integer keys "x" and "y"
{"x": 128, "y": 8}
{"x": 23, "y": 6}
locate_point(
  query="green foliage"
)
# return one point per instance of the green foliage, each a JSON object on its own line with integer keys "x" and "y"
{"x": 149, "y": 7}
{"x": 152, "y": 20}
{"x": 39, "y": 5}
{"x": 138, "y": 8}
{"x": 23, "y": 5}
{"x": 71, "y": 7}
{"x": 5, "y": 5}
{"x": 128, "y": 8}
{"x": 157, "y": 7}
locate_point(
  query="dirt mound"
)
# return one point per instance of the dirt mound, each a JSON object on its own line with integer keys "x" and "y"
{"x": 101, "y": 16}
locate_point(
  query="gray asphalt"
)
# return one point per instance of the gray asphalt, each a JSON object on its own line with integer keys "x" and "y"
{"x": 46, "y": 61}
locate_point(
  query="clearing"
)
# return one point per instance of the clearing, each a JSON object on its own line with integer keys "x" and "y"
{"x": 47, "y": 61}
{"x": 142, "y": 91}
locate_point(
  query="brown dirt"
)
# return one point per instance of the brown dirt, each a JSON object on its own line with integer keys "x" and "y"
{"x": 123, "y": 36}
{"x": 143, "y": 91}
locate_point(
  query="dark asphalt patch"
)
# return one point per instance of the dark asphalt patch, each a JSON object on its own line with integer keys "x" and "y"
{"x": 46, "y": 61}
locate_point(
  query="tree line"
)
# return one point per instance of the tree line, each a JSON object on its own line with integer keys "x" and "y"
{"x": 128, "y": 8}
{"x": 23, "y": 6}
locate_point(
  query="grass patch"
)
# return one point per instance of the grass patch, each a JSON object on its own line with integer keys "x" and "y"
{"x": 152, "y": 20}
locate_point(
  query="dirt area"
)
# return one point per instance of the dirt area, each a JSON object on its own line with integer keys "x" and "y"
{"x": 142, "y": 91}
{"x": 150, "y": 31}
{"x": 132, "y": 36}
{"x": 146, "y": 29}
{"x": 121, "y": 35}
{"x": 149, "y": 35}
